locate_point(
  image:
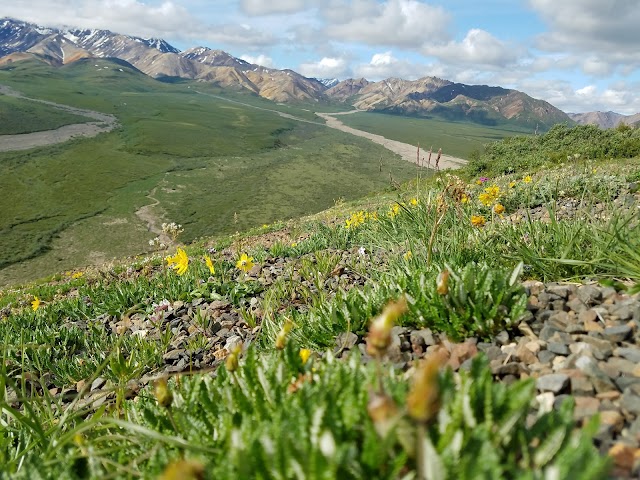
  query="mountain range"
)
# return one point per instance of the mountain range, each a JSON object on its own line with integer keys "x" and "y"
{"x": 605, "y": 119}
{"x": 427, "y": 97}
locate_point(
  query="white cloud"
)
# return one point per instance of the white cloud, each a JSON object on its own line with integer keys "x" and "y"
{"x": 620, "y": 97}
{"x": 167, "y": 19}
{"x": 327, "y": 67}
{"x": 262, "y": 60}
{"x": 261, "y": 7}
{"x": 607, "y": 31}
{"x": 405, "y": 23}
{"x": 477, "y": 48}
{"x": 126, "y": 16}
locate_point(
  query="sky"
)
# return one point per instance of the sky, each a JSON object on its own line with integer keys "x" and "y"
{"x": 579, "y": 55}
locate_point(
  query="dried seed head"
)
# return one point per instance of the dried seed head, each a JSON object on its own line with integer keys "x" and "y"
{"x": 442, "y": 282}
{"x": 162, "y": 393}
{"x": 183, "y": 470}
{"x": 383, "y": 411}
{"x": 423, "y": 401}
{"x": 379, "y": 337}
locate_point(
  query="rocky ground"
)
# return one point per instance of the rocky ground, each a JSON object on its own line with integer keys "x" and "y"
{"x": 576, "y": 339}
{"x": 581, "y": 340}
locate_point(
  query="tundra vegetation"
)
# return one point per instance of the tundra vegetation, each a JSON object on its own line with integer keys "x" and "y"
{"x": 85, "y": 394}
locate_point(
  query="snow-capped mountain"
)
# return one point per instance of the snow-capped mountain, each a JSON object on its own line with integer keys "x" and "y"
{"x": 16, "y": 36}
{"x": 328, "y": 82}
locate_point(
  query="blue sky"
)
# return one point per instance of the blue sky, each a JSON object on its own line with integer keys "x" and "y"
{"x": 580, "y": 55}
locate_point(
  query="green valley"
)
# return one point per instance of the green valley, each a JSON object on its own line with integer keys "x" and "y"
{"x": 214, "y": 165}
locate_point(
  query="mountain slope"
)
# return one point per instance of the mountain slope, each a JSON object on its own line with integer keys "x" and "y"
{"x": 432, "y": 96}
{"x": 428, "y": 96}
{"x": 605, "y": 119}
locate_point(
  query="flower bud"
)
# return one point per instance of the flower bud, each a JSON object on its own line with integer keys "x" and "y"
{"x": 231, "y": 363}
{"x": 379, "y": 337}
{"x": 383, "y": 411}
{"x": 162, "y": 393}
{"x": 423, "y": 401}
{"x": 442, "y": 282}
{"x": 281, "y": 338}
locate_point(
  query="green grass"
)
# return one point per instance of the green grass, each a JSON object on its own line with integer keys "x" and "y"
{"x": 18, "y": 116}
{"x": 221, "y": 424}
{"x": 458, "y": 139}
{"x": 217, "y": 166}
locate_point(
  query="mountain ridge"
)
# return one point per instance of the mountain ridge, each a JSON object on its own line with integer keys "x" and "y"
{"x": 426, "y": 97}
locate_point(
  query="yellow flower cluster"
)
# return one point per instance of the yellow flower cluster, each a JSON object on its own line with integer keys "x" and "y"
{"x": 394, "y": 210}
{"x": 179, "y": 262}
{"x": 478, "y": 220}
{"x": 358, "y": 218}
{"x": 489, "y": 196}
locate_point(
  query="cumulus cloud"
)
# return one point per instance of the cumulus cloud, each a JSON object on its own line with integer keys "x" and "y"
{"x": 167, "y": 19}
{"x": 478, "y": 47}
{"x": 327, "y": 67}
{"x": 621, "y": 97}
{"x": 126, "y": 16}
{"x": 404, "y": 23}
{"x": 607, "y": 31}
{"x": 261, "y": 7}
{"x": 262, "y": 60}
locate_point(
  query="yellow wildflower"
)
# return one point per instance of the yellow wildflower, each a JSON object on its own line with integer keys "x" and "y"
{"x": 512, "y": 184}
{"x": 485, "y": 199}
{"x": 498, "y": 208}
{"x": 207, "y": 260}
{"x": 414, "y": 201}
{"x": 465, "y": 198}
{"x": 408, "y": 255}
{"x": 35, "y": 304}
{"x": 477, "y": 220}
{"x": 305, "y": 353}
{"x": 527, "y": 179}
{"x": 179, "y": 262}
{"x": 294, "y": 244}
{"x": 245, "y": 263}
{"x": 77, "y": 275}
{"x": 394, "y": 210}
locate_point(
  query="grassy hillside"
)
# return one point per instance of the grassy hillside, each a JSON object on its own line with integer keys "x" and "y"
{"x": 137, "y": 368}
{"x": 22, "y": 116}
{"x": 216, "y": 165}
{"x": 458, "y": 139}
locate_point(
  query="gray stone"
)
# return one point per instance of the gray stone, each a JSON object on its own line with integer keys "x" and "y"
{"x": 581, "y": 386}
{"x": 630, "y": 353}
{"x": 425, "y": 334}
{"x": 547, "y": 332}
{"x": 622, "y": 365}
{"x": 511, "y": 368}
{"x": 545, "y": 356}
{"x": 346, "y": 340}
{"x": 502, "y": 338}
{"x": 617, "y": 334}
{"x": 625, "y": 381}
{"x": 561, "y": 291}
{"x": 601, "y": 382}
{"x": 577, "y": 305}
{"x": 97, "y": 383}
{"x": 631, "y": 402}
{"x": 602, "y": 349}
{"x": 555, "y": 382}
{"x": 589, "y": 294}
{"x": 174, "y": 354}
{"x": 558, "y": 348}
